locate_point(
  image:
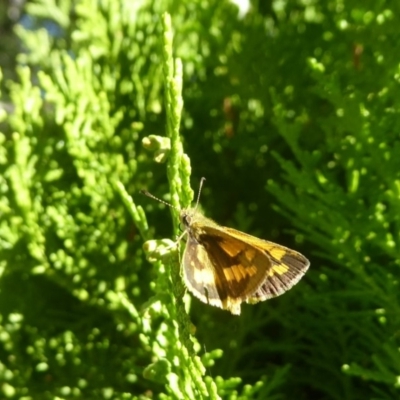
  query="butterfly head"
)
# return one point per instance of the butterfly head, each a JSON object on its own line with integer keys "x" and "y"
{"x": 189, "y": 217}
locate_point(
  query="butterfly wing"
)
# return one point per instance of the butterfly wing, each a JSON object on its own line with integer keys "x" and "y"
{"x": 221, "y": 269}
{"x": 287, "y": 267}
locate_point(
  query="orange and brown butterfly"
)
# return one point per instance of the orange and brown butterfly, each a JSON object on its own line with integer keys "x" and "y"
{"x": 224, "y": 267}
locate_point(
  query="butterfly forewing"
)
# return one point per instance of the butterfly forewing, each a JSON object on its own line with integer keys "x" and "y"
{"x": 287, "y": 267}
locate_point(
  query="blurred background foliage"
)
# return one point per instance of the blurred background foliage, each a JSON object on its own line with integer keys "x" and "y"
{"x": 291, "y": 112}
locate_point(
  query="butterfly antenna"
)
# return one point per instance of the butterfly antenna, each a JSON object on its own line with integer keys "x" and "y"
{"x": 198, "y": 194}
{"x": 146, "y": 193}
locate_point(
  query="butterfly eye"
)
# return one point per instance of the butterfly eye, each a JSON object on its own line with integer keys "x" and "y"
{"x": 186, "y": 220}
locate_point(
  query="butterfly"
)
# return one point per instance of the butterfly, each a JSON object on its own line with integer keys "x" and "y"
{"x": 225, "y": 267}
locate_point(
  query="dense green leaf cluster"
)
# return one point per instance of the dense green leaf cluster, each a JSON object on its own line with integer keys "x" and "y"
{"x": 290, "y": 112}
